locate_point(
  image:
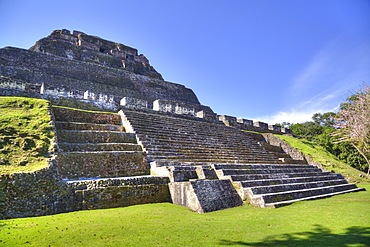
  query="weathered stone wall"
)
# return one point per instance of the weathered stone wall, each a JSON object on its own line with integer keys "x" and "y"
{"x": 292, "y": 151}
{"x": 119, "y": 192}
{"x": 248, "y": 125}
{"x": 34, "y": 194}
{"x": 66, "y": 75}
{"x": 80, "y": 46}
{"x": 43, "y": 192}
{"x": 87, "y": 165}
{"x": 204, "y": 196}
{"x": 68, "y": 115}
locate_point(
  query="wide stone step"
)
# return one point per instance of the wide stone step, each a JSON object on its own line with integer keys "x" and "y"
{"x": 292, "y": 186}
{"x": 299, "y": 194}
{"x": 76, "y": 165}
{"x": 157, "y": 117}
{"x": 210, "y": 144}
{"x": 198, "y": 141}
{"x": 205, "y": 147}
{"x": 267, "y": 182}
{"x": 88, "y": 126}
{"x": 281, "y": 155}
{"x": 227, "y": 172}
{"x": 260, "y": 166}
{"x": 74, "y": 115}
{"x": 213, "y": 160}
{"x": 191, "y": 151}
{"x": 84, "y": 184}
{"x": 78, "y": 136}
{"x": 210, "y": 150}
{"x": 81, "y": 147}
{"x": 275, "y": 176}
{"x": 190, "y": 131}
{"x": 316, "y": 197}
{"x": 151, "y": 130}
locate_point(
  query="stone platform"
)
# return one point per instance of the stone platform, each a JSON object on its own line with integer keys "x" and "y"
{"x": 125, "y": 136}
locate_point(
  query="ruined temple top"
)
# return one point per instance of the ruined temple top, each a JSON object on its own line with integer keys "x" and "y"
{"x": 80, "y": 46}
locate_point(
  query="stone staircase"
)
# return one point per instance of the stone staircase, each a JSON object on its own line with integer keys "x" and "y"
{"x": 271, "y": 185}
{"x": 101, "y": 163}
{"x": 189, "y": 149}
{"x": 179, "y": 139}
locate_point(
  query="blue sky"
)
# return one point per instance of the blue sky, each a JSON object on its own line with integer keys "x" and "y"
{"x": 267, "y": 60}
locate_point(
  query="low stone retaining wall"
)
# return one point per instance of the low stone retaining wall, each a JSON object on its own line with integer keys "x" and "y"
{"x": 79, "y": 165}
{"x": 292, "y": 151}
{"x": 43, "y": 193}
{"x": 119, "y": 192}
{"x": 34, "y": 194}
{"x": 121, "y": 196}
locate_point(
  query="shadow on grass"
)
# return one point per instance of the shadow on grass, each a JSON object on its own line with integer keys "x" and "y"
{"x": 319, "y": 236}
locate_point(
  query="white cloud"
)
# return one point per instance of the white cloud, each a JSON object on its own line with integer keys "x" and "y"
{"x": 336, "y": 69}
{"x": 303, "y": 111}
{"x": 291, "y": 117}
{"x": 334, "y": 72}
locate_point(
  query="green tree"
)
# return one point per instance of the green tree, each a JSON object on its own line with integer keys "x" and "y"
{"x": 354, "y": 123}
{"x": 325, "y": 119}
{"x": 320, "y": 130}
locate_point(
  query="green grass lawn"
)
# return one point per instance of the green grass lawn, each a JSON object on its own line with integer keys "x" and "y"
{"x": 342, "y": 220}
{"x": 25, "y": 134}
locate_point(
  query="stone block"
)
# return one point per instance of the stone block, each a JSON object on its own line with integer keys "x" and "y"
{"x": 286, "y": 131}
{"x": 173, "y": 107}
{"x": 210, "y": 116}
{"x": 181, "y": 174}
{"x": 134, "y": 103}
{"x": 87, "y": 45}
{"x": 245, "y": 121}
{"x": 10, "y": 83}
{"x": 163, "y": 106}
{"x": 230, "y": 119}
{"x": 261, "y": 125}
{"x": 204, "y": 196}
{"x": 275, "y": 128}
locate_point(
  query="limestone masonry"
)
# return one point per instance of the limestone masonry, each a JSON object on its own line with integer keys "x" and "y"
{"x": 125, "y": 136}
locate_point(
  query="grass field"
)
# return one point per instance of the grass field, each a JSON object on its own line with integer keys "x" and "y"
{"x": 342, "y": 220}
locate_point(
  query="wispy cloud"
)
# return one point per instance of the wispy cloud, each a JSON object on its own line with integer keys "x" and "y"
{"x": 334, "y": 72}
{"x": 303, "y": 111}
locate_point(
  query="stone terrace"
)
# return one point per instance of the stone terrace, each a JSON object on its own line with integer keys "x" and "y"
{"x": 105, "y": 159}
{"x": 101, "y": 163}
{"x": 169, "y": 138}
{"x": 188, "y": 149}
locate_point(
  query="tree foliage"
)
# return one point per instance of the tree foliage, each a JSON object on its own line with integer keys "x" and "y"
{"x": 353, "y": 123}
{"x": 345, "y": 134}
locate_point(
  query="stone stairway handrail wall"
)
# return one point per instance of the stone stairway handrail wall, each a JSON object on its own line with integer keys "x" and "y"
{"x": 294, "y": 153}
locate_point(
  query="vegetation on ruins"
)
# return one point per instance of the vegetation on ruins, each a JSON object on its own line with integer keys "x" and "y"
{"x": 25, "y": 134}
{"x": 345, "y": 134}
{"x": 327, "y": 159}
{"x": 342, "y": 220}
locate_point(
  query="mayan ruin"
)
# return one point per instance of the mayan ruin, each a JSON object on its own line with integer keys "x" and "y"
{"x": 125, "y": 136}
